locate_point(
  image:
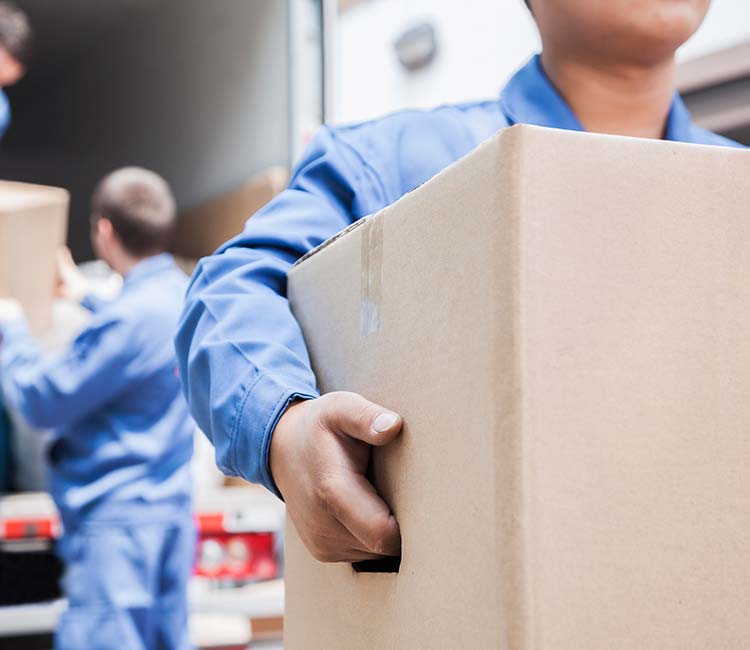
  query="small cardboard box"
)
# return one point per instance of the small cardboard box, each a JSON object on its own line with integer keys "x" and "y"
{"x": 205, "y": 227}
{"x": 562, "y": 320}
{"x": 33, "y": 225}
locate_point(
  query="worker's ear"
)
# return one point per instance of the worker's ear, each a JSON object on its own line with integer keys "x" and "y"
{"x": 11, "y": 69}
{"x": 104, "y": 228}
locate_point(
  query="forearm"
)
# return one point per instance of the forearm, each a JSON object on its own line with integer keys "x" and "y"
{"x": 241, "y": 352}
{"x": 58, "y": 389}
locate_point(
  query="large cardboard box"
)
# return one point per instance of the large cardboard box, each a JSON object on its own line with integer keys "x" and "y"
{"x": 33, "y": 225}
{"x": 562, "y": 319}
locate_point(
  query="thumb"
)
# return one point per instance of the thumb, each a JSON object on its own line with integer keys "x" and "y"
{"x": 352, "y": 415}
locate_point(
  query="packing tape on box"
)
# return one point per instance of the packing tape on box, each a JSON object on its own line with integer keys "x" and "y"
{"x": 371, "y": 291}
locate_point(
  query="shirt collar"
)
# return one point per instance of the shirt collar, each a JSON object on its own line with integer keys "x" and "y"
{"x": 679, "y": 123}
{"x": 530, "y": 98}
{"x": 148, "y": 267}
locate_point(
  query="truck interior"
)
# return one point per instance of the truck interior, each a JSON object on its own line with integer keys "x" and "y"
{"x": 196, "y": 90}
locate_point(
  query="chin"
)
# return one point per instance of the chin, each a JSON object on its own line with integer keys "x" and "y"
{"x": 652, "y": 30}
{"x": 671, "y": 21}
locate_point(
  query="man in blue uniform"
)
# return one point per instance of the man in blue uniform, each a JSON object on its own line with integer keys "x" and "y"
{"x": 15, "y": 48}
{"x": 123, "y": 438}
{"x": 605, "y": 67}
{"x": 15, "y": 42}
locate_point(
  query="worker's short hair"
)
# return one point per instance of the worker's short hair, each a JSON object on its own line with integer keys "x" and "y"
{"x": 16, "y": 35}
{"x": 141, "y": 208}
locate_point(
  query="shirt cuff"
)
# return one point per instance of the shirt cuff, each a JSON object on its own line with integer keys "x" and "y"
{"x": 260, "y": 410}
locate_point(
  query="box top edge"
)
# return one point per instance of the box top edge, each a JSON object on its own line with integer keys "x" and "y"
{"x": 339, "y": 235}
{"x": 502, "y": 134}
{"x": 642, "y": 141}
{"x": 34, "y": 189}
{"x": 523, "y": 131}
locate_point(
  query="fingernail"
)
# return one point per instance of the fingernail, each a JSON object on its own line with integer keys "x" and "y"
{"x": 384, "y": 422}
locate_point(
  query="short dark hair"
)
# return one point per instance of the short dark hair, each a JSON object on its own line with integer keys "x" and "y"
{"x": 16, "y": 35}
{"x": 141, "y": 208}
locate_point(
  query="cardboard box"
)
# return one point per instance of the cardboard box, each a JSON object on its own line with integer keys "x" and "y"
{"x": 33, "y": 225}
{"x": 562, "y": 320}
{"x": 205, "y": 227}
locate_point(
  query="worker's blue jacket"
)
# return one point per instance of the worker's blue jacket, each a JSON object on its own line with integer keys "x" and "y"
{"x": 123, "y": 436}
{"x": 242, "y": 355}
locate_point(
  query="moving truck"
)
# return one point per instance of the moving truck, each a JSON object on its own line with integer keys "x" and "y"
{"x": 201, "y": 93}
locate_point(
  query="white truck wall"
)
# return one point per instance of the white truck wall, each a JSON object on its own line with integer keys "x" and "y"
{"x": 481, "y": 43}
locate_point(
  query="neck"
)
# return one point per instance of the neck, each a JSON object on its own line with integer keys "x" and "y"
{"x": 124, "y": 263}
{"x": 622, "y": 99}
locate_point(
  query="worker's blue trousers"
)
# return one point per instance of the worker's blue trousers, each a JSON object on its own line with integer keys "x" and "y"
{"x": 126, "y": 586}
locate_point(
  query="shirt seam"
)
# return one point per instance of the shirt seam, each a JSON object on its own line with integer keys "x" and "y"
{"x": 336, "y": 136}
{"x": 237, "y": 419}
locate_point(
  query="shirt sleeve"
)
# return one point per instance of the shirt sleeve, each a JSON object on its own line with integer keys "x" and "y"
{"x": 58, "y": 390}
{"x": 241, "y": 352}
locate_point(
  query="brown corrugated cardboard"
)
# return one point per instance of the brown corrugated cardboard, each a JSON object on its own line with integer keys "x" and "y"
{"x": 202, "y": 229}
{"x": 33, "y": 225}
{"x": 561, "y": 318}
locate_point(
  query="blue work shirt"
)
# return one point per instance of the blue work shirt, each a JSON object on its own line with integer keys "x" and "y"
{"x": 241, "y": 352}
{"x": 123, "y": 437}
{"x": 4, "y": 113}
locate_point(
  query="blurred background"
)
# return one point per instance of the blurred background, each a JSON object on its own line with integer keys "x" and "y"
{"x": 220, "y": 98}
{"x": 212, "y": 93}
